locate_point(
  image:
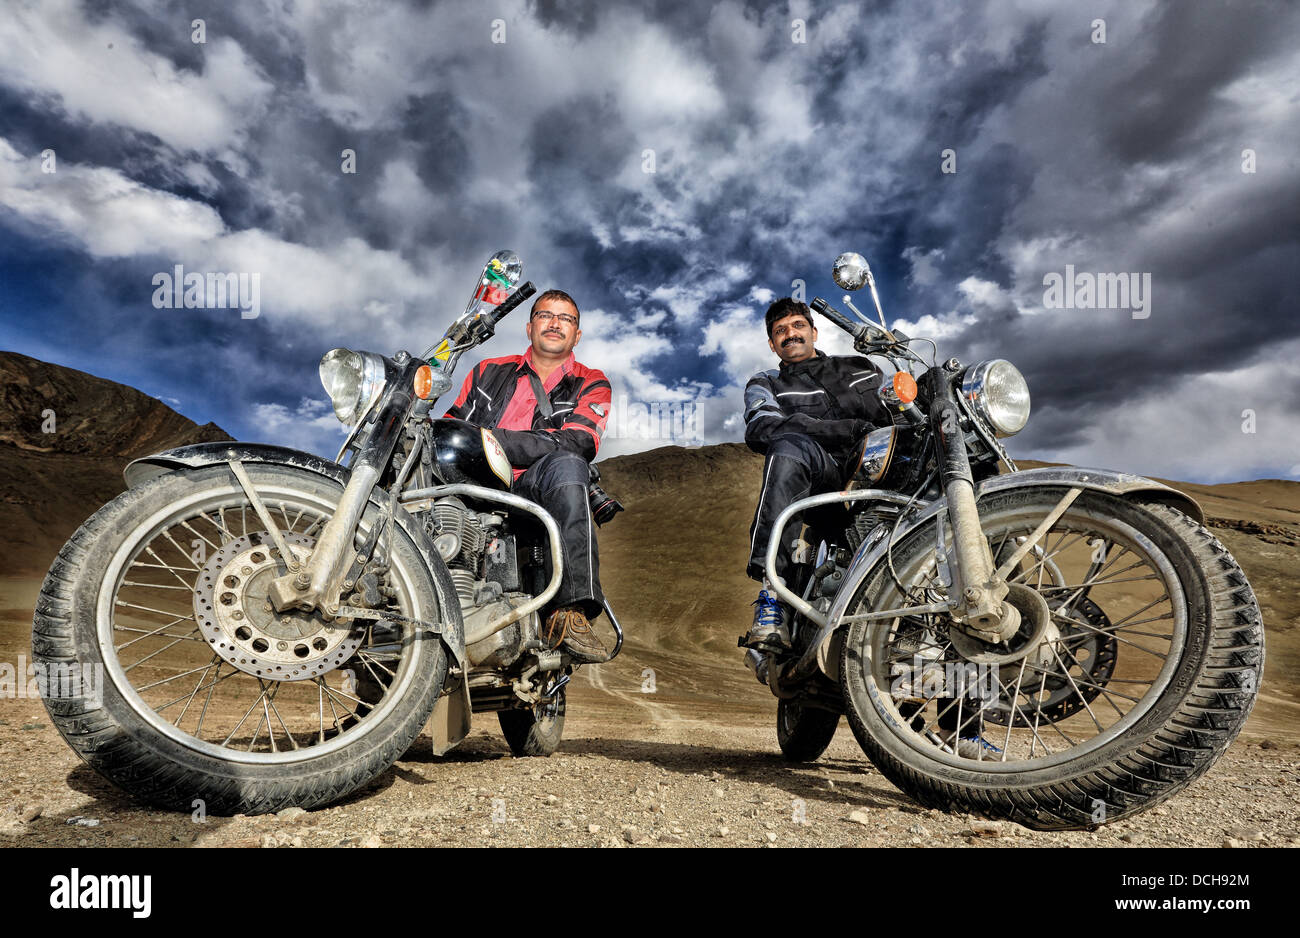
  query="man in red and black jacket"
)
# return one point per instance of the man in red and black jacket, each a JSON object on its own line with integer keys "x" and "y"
{"x": 548, "y": 412}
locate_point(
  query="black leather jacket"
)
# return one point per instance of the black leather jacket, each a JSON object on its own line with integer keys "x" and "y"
{"x": 830, "y": 399}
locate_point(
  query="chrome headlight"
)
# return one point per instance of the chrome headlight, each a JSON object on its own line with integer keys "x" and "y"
{"x": 999, "y": 394}
{"x": 353, "y": 380}
{"x": 877, "y": 452}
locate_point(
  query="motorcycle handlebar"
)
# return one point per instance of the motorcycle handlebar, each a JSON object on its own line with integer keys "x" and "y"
{"x": 834, "y": 315}
{"x": 515, "y": 299}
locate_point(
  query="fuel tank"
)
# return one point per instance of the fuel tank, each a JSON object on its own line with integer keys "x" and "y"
{"x": 469, "y": 454}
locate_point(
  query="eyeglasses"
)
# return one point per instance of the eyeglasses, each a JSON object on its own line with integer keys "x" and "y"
{"x": 547, "y": 316}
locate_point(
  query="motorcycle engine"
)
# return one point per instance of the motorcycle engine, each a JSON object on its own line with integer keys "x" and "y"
{"x": 458, "y": 535}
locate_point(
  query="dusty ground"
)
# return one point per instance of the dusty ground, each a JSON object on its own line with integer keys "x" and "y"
{"x": 676, "y": 767}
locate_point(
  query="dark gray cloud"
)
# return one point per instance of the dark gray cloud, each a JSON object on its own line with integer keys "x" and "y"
{"x": 770, "y": 156}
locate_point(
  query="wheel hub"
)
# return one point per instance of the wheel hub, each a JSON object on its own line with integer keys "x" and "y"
{"x": 236, "y": 618}
{"x": 1035, "y": 623}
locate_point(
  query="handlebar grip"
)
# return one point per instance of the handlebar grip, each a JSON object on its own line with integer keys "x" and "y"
{"x": 515, "y": 299}
{"x": 834, "y": 315}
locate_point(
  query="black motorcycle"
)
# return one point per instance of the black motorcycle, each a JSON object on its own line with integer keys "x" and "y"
{"x": 274, "y": 629}
{"x": 1060, "y": 647}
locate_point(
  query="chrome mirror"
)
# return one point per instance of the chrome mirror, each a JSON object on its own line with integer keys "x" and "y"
{"x": 851, "y": 271}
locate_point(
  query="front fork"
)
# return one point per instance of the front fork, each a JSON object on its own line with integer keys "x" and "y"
{"x": 977, "y": 589}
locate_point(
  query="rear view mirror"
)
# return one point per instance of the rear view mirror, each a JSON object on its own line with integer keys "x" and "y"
{"x": 850, "y": 271}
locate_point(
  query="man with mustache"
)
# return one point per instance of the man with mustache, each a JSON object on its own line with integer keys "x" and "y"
{"x": 548, "y": 412}
{"x": 808, "y": 416}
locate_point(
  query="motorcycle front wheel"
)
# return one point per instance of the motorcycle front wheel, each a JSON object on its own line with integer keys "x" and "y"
{"x": 1146, "y": 669}
{"x": 202, "y": 697}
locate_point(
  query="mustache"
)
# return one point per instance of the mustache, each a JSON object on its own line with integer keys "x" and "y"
{"x": 790, "y": 341}
{"x": 555, "y": 332}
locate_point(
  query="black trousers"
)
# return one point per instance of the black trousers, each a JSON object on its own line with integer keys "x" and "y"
{"x": 796, "y": 467}
{"x": 558, "y": 482}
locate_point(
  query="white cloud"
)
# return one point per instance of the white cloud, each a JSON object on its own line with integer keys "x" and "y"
{"x": 311, "y": 426}
{"x": 100, "y": 72}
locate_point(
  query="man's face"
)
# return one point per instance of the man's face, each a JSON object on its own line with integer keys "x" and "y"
{"x": 792, "y": 339}
{"x": 553, "y": 329}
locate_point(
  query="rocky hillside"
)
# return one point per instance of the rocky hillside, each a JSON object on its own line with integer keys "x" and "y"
{"x": 52, "y": 481}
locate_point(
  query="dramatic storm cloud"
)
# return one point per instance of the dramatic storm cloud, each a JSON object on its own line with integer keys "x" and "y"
{"x": 675, "y": 167}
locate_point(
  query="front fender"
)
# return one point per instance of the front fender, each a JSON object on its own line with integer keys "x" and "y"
{"x": 1122, "y": 484}
{"x": 210, "y": 454}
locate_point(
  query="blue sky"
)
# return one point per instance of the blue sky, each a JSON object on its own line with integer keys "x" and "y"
{"x": 780, "y": 136}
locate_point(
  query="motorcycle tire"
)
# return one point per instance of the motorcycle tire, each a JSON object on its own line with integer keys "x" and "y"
{"x": 803, "y": 733}
{"x": 128, "y": 741}
{"x": 1170, "y": 736}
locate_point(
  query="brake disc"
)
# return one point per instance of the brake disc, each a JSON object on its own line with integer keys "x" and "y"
{"x": 1089, "y": 657}
{"x": 237, "y": 619}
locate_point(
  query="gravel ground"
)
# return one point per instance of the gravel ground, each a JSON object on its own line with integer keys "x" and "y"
{"x": 625, "y": 776}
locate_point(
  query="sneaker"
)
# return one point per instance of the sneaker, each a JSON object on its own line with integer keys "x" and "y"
{"x": 569, "y": 628}
{"x": 769, "y": 627}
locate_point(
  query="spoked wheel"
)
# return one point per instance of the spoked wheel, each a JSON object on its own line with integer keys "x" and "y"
{"x": 1139, "y": 672}
{"x": 536, "y": 730}
{"x": 804, "y": 732}
{"x": 207, "y": 693}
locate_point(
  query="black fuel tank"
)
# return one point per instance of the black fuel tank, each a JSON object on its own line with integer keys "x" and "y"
{"x": 469, "y": 454}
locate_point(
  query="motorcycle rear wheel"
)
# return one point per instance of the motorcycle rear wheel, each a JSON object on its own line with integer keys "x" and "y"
{"x": 163, "y": 724}
{"x": 1172, "y": 716}
{"x": 534, "y": 731}
{"x": 803, "y": 733}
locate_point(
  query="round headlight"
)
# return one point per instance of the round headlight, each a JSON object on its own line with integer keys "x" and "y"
{"x": 353, "y": 380}
{"x": 999, "y": 394}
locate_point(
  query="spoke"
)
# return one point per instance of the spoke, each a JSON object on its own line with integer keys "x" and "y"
{"x": 1101, "y": 688}
{"x": 1084, "y": 700}
{"x": 123, "y": 602}
{"x": 156, "y": 653}
{"x": 250, "y": 709}
{"x": 372, "y": 672}
{"x": 157, "y": 586}
{"x": 1155, "y": 602}
{"x": 1118, "y": 638}
{"x": 293, "y": 743}
{"x": 369, "y": 659}
{"x": 1011, "y": 711}
{"x": 183, "y": 552}
{"x": 173, "y": 678}
{"x": 1038, "y": 712}
{"x": 189, "y": 527}
{"x": 285, "y": 515}
{"x": 1108, "y": 581}
{"x": 216, "y": 678}
{"x": 150, "y": 551}
{"x": 177, "y": 721}
{"x": 148, "y": 632}
{"x": 221, "y": 523}
{"x": 320, "y": 703}
{"x": 348, "y": 710}
{"x": 165, "y": 625}
{"x": 346, "y": 696}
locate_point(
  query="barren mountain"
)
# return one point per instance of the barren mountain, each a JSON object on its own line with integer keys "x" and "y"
{"x": 64, "y": 438}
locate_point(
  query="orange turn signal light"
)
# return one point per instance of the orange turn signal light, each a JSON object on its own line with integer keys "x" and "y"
{"x": 904, "y": 387}
{"x": 423, "y": 382}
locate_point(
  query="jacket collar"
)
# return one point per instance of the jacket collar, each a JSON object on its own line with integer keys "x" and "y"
{"x": 789, "y": 369}
{"x": 526, "y": 364}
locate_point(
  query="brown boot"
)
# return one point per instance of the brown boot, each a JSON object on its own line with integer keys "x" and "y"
{"x": 569, "y": 627}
